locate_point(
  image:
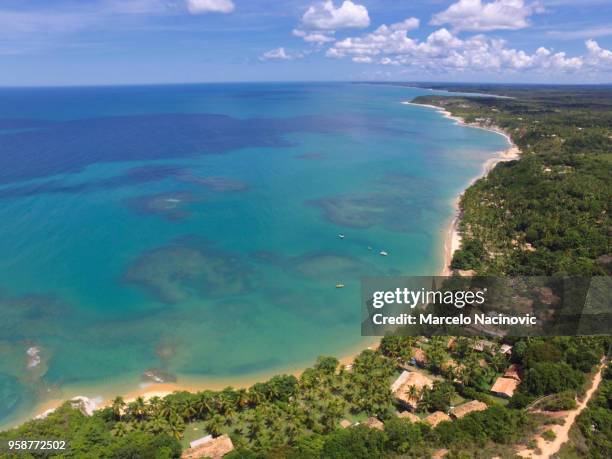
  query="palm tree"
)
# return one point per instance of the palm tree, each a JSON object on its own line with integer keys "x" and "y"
{"x": 176, "y": 426}
{"x": 121, "y": 428}
{"x": 255, "y": 397}
{"x": 154, "y": 406}
{"x": 204, "y": 404}
{"x": 137, "y": 408}
{"x": 255, "y": 428}
{"x": 242, "y": 398}
{"x": 291, "y": 431}
{"x": 413, "y": 391}
{"x": 215, "y": 425}
{"x": 167, "y": 409}
{"x": 156, "y": 425}
{"x": 118, "y": 406}
{"x": 189, "y": 411}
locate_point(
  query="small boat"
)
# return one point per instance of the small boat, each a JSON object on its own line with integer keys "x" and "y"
{"x": 341, "y": 236}
{"x": 369, "y": 248}
{"x": 383, "y": 253}
{"x": 339, "y": 285}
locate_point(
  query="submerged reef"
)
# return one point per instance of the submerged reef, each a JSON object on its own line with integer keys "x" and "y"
{"x": 383, "y": 205}
{"x": 186, "y": 268}
{"x": 168, "y": 205}
{"x": 213, "y": 183}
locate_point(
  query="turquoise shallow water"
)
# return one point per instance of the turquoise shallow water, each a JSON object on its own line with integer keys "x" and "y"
{"x": 194, "y": 229}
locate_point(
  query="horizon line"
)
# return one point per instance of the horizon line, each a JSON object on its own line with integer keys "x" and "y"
{"x": 201, "y": 83}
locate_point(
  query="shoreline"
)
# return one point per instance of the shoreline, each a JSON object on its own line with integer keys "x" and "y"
{"x": 451, "y": 243}
{"x": 98, "y": 399}
{"x": 452, "y": 237}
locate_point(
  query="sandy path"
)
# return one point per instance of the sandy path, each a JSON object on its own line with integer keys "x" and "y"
{"x": 562, "y": 432}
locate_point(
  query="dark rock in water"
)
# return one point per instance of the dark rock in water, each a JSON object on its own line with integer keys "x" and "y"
{"x": 155, "y": 375}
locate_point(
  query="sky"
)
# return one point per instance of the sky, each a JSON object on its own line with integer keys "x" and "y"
{"x": 90, "y": 42}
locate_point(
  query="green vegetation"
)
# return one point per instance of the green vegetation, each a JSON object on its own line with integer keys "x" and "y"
{"x": 550, "y": 368}
{"x": 438, "y": 398}
{"x": 549, "y": 212}
{"x": 99, "y": 436}
{"x": 591, "y": 436}
{"x": 289, "y": 417}
{"x": 562, "y": 401}
{"x": 548, "y": 435}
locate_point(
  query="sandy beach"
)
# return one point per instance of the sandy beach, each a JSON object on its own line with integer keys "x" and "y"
{"x": 452, "y": 238}
{"x": 452, "y": 242}
{"x": 150, "y": 389}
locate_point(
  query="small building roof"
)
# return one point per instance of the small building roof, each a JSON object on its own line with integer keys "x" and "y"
{"x": 345, "y": 423}
{"x": 200, "y": 441}
{"x": 401, "y": 388}
{"x": 408, "y": 415}
{"x": 215, "y": 448}
{"x": 475, "y": 405}
{"x": 399, "y": 382}
{"x": 482, "y": 345}
{"x": 513, "y": 372}
{"x": 374, "y": 423}
{"x": 436, "y": 418}
{"x": 419, "y": 355}
{"x": 505, "y": 387}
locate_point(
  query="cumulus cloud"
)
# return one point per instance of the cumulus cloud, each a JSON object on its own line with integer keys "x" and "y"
{"x": 598, "y": 56}
{"x": 325, "y": 16}
{"x": 279, "y": 54}
{"x": 474, "y": 15}
{"x": 444, "y": 51}
{"x": 210, "y": 6}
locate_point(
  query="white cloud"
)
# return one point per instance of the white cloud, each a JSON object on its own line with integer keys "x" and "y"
{"x": 279, "y": 54}
{"x": 313, "y": 37}
{"x": 406, "y": 24}
{"x": 390, "y": 39}
{"x": 593, "y": 32}
{"x": 598, "y": 56}
{"x": 210, "y": 6}
{"x": 475, "y": 15}
{"x": 443, "y": 51}
{"x": 325, "y": 16}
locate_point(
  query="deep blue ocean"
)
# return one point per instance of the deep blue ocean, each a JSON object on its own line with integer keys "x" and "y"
{"x": 193, "y": 230}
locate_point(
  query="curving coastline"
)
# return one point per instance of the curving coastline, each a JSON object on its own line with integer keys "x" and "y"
{"x": 451, "y": 243}
{"x": 452, "y": 237}
{"x": 98, "y": 399}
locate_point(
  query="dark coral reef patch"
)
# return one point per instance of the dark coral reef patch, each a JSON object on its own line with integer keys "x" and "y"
{"x": 188, "y": 268}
